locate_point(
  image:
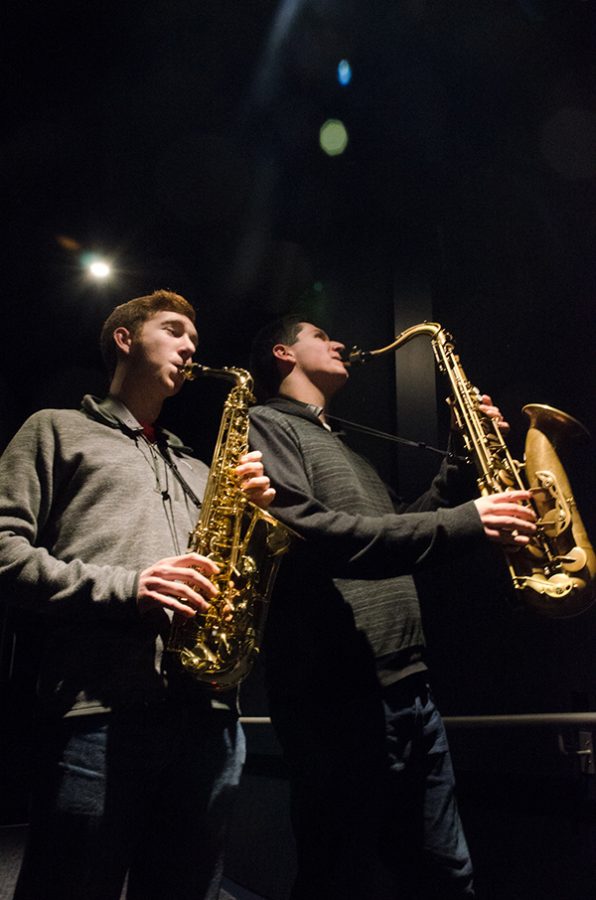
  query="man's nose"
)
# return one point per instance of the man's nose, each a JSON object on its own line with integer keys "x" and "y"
{"x": 187, "y": 348}
{"x": 337, "y": 345}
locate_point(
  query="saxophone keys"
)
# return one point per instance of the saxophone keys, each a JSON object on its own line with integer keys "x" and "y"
{"x": 574, "y": 560}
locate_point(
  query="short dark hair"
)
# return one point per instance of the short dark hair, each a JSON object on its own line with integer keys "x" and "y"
{"x": 133, "y": 315}
{"x": 263, "y": 365}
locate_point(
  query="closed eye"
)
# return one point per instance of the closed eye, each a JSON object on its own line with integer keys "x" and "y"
{"x": 177, "y": 330}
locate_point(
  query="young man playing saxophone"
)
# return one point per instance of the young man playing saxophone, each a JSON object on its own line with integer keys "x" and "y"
{"x": 370, "y": 772}
{"x": 137, "y": 762}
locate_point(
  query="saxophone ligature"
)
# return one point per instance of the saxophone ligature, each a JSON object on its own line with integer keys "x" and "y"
{"x": 218, "y": 647}
{"x": 555, "y": 572}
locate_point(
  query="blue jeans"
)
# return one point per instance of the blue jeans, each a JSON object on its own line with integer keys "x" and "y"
{"x": 374, "y": 812}
{"x": 145, "y": 793}
{"x": 422, "y": 839}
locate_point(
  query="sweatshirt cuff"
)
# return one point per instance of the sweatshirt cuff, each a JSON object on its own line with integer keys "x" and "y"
{"x": 462, "y": 523}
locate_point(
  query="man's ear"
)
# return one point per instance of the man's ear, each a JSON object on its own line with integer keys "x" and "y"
{"x": 122, "y": 339}
{"x": 283, "y": 352}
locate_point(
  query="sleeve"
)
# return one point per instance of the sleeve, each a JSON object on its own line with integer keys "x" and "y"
{"x": 352, "y": 545}
{"x": 29, "y": 496}
{"x": 454, "y": 483}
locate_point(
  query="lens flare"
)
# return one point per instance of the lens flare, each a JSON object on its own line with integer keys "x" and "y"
{"x": 333, "y": 137}
{"x": 344, "y": 72}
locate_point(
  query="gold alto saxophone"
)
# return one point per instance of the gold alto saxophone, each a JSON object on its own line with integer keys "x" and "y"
{"x": 555, "y": 573}
{"x": 218, "y": 647}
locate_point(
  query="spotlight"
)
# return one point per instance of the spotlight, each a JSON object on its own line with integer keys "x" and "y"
{"x": 99, "y": 269}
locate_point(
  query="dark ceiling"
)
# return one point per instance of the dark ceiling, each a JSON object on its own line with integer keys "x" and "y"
{"x": 180, "y": 139}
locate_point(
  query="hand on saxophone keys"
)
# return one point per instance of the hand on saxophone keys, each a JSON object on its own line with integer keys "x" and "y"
{"x": 487, "y": 407}
{"x": 180, "y": 583}
{"x": 506, "y": 518}
{"x": 252, "y": 479}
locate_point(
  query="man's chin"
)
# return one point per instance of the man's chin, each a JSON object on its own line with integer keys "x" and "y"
{"x": 334, "y": 383}
{"x": 173, "y": 385}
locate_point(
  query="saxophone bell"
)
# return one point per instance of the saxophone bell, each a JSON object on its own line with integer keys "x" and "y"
{"x": 556, "y": 572}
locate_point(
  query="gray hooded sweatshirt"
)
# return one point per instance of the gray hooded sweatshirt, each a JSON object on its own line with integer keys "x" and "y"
{"x": 87, "y": 503}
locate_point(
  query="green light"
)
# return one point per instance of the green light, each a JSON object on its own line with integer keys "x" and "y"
{"x": 333, "y": 137}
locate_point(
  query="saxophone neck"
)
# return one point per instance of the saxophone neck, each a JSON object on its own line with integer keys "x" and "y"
{"x": 357, "y": 356}
{"x": 240, "y": 377}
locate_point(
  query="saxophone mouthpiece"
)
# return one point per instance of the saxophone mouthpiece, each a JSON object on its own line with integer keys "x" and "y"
{"x": 190, "y": 371}
{"x": 357, "y": 357}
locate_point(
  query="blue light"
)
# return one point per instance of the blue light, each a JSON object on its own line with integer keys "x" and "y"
{"x": 344, "y": 72}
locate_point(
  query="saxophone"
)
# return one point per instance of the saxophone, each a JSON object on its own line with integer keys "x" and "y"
{"x": 218, "y": 647}
{"x": 555, "y": 573}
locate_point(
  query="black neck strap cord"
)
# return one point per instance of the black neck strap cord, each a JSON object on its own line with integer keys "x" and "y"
{"x": 396, "y": 439}
{"x": 172, "y": 461}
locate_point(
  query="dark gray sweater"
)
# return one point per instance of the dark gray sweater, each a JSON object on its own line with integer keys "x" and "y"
{"x": 345, "y": 604}
{"x": 86, "y": 505}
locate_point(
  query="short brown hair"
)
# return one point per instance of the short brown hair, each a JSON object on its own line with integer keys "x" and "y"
{"x": 133, "y": 315}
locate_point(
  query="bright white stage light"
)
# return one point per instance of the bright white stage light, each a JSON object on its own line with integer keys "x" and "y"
{"x": 99, "y": 269}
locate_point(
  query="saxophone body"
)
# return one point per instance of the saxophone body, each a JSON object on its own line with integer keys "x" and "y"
{"x": 218, "y": 647}
{"x": 555, "y": 572}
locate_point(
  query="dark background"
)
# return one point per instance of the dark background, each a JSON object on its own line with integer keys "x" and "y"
{"x": 180, "y": 140}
